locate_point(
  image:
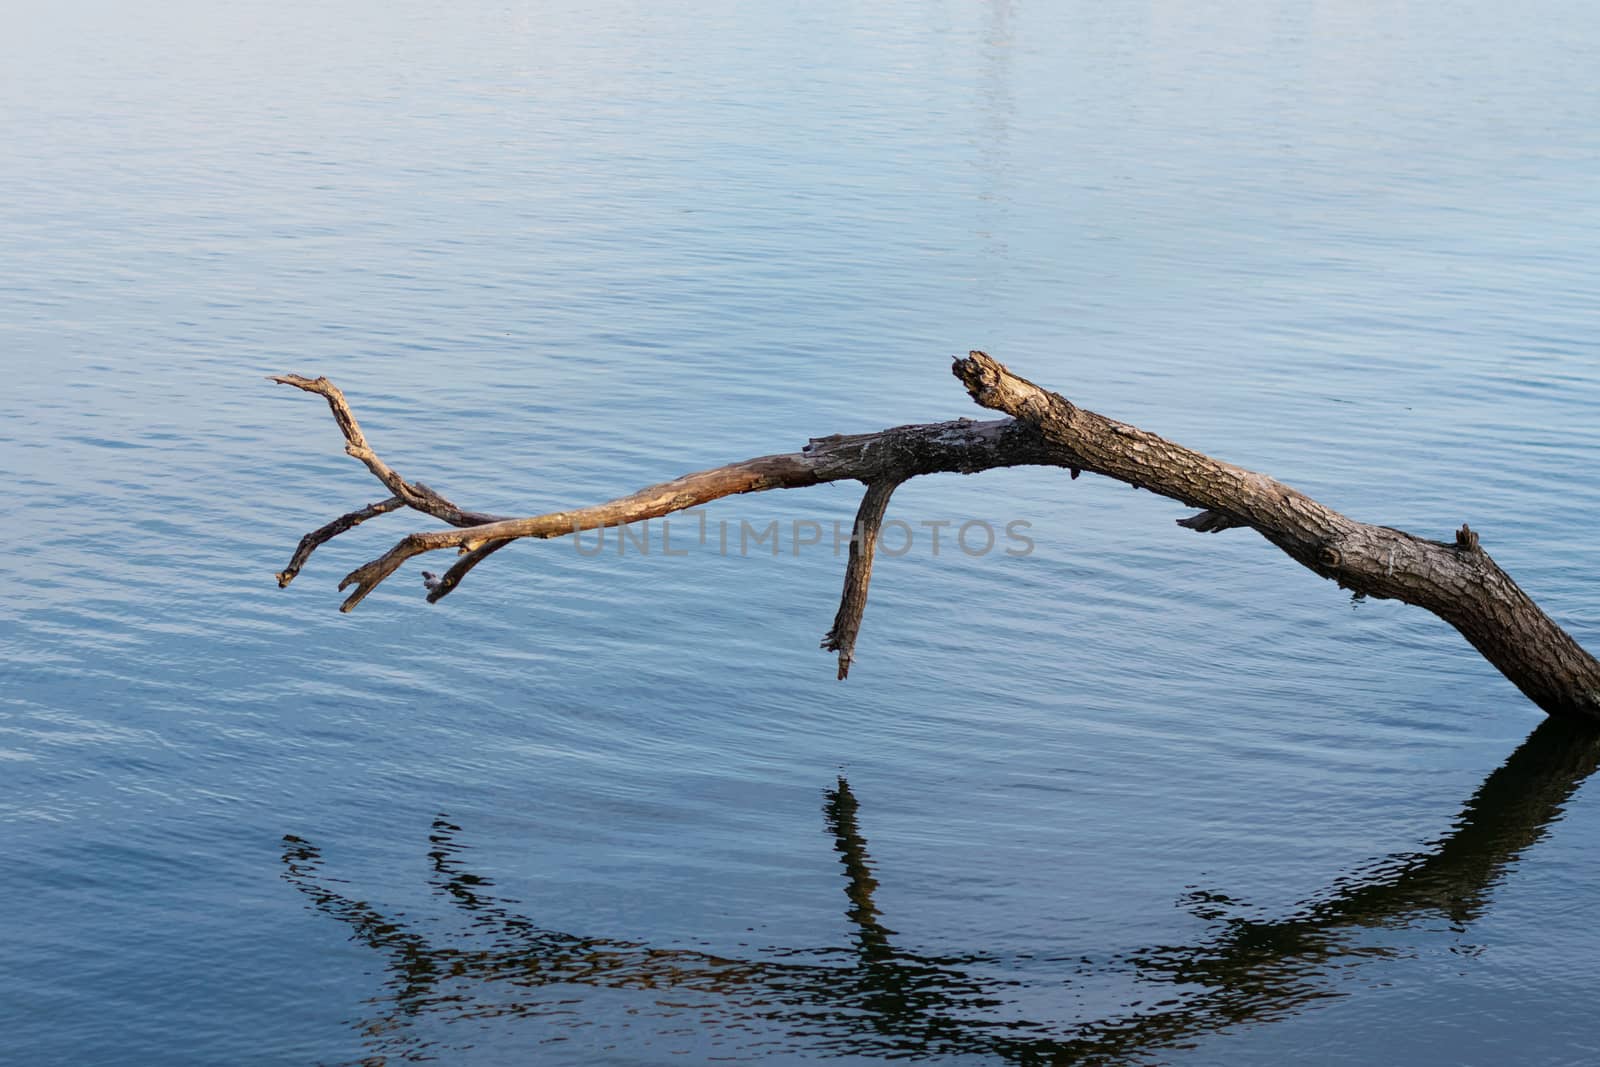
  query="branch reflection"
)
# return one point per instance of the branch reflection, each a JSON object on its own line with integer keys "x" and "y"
{"x": 875, "y": 998}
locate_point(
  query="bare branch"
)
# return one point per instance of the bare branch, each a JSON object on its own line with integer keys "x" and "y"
{"x": 311, "y": 541}
{"x": 960, "y": 446}
{"x": 1456, "y": 581}
{"x": 858, "y": 573}
{"x": 414, "y": 494}
{"x": 459, "y": 569}
{"x": 371, "y": 574}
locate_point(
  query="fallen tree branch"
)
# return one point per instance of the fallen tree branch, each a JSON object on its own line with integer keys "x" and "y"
{"x": 888, "y": 456}
{"x": 1458, "y": 582}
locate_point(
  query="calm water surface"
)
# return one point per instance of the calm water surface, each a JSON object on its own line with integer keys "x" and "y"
{"x": 1136, "y": 796}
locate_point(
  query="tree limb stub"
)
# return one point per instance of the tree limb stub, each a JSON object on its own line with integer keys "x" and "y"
{"x": 1457, "y": 581}
{"x": 858, "y": 573}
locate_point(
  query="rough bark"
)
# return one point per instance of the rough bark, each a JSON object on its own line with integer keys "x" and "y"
{"x": 858, "y": 573}
{"x": 1456, "y": 581}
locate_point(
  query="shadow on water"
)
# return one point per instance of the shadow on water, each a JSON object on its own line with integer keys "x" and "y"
{"x": 875, "y": 998}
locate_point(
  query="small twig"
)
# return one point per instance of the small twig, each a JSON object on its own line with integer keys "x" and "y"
{"x": 369, "y": 575}
{"x": 414, "y": 494}
{"x": 311, "y": 541}
{"x": 452, "y": 577}
{"x": 1210, "y": 522}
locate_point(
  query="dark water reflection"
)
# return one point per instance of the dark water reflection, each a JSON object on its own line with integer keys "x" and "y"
{"x": 877, "y": 998}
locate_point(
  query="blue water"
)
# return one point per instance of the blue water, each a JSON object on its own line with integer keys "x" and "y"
{"x": 1135, "y": 796}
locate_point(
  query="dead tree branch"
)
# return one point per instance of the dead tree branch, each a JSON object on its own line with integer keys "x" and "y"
{"x": 857, "y": 573}
{"x": 313, "y": 540}
{"x": 1456, "y": 581}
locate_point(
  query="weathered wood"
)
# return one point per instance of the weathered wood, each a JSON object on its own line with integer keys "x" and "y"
{"x": 891, "y": 455}
{"x": 316, "y": 538}
{"x": 414, "y": 494}
{"x": 1456, "y": 581}
{"x": 858, "y": 573}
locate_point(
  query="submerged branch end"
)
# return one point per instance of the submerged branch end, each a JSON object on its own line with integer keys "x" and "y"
{"x": 841, "y": 638}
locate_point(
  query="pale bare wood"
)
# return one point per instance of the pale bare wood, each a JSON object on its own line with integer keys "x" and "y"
{"x": 960, "y": 445}
{"x": 900, "y": 452}
{"x": 414, "y": 494}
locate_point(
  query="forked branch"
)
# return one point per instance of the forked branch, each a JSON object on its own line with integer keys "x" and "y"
{"x": 1456, "y": 581}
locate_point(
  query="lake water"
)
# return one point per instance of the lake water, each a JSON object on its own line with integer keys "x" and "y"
{"x": 1135, "y": 796}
